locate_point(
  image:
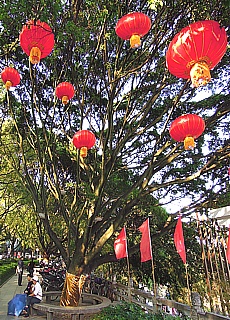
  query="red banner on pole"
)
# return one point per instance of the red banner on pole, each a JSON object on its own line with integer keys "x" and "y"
{"x": 179, "y": 240}
{"x": 145, "y": 245}
{"x": 120, "y": 245}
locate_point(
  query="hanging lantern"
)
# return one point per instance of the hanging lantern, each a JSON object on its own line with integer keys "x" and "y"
{"x": 36, "y": 40}
{"x": 195, "y": 50}
{"x": 84, "y": 140}
{"x": 133, "y": 26}
{"x": 187, "y": 128}
{"x": 65, "y": 92}
{"x": 10, "y": 77}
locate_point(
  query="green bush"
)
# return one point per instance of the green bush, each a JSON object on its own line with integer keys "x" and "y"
{"x": 130, "y": 311}
{"x": 7, "y": 269}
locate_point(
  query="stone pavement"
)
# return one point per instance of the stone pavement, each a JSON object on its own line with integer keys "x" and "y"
{"x": 7, "y": 292}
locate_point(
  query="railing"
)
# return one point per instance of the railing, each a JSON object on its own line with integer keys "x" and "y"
{"x": 118, "y": 292}
{"x": 147, "y": 301}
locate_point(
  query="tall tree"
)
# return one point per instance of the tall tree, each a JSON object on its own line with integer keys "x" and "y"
{"x": 128, "y": 99}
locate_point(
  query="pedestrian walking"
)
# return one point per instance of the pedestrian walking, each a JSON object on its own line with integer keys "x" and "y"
{"x": 19, "y": 270}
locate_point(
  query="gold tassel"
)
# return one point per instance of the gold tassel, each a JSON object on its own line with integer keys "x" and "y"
{"x": 83, "y": 152}
{"x": 8, "y": 84}
{"x": 200, "y": 74}
{"x": 35, "y": 55}
{"x": 189, "y": 143}
{"x": 65, "y": 99}
{"x": 135, "y": 41}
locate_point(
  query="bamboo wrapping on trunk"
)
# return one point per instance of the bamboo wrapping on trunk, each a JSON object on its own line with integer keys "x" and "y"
{"x": 72, "y": 290}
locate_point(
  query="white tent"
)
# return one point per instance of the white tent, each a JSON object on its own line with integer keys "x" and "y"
{"x": 222, "y": 215}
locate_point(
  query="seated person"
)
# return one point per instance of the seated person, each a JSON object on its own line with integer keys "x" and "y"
{"x": 34, "y": 297}
{"x": 29, "y": 287}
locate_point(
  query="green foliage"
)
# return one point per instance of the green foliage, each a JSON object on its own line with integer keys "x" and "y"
{"x": 6, "y": 270}
{"x": 127, "y": 311}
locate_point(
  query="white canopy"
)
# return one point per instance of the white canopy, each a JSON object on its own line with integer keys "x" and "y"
{"x": 222, "y": 215}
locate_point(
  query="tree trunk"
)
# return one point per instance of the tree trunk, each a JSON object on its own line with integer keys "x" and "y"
{"x": 72, "y": 290}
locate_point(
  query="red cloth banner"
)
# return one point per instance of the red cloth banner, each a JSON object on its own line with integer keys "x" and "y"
{"x": 179, "y": 240}
{"x": 228, "y": 246}
{"x": 120, "y": 245}
{"x": 145, "y": 245}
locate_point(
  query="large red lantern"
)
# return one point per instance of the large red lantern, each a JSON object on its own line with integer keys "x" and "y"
{"x": 195, "y": 50}
{"x": 36, "y": 40}
{"x": 133, "y": 26}
{"x": 84, "y": 140}
{"x": 187, "y": 128}
{"x": 65, "y": 91}
{"x": 10, "y": 77}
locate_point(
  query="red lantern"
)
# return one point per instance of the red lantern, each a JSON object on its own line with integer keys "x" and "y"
{"x": 195, "y": 50}
{"x": 133, "y": 26}
{"x": 10, "y": 77}
{"x": 84, "y": 140}
{"x": 65, "y": 91}
{"x": 36, "y": 40}
{"x": 187, "y": 128}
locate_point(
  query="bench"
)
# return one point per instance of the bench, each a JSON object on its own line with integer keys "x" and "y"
{"x": 97, "y": 304}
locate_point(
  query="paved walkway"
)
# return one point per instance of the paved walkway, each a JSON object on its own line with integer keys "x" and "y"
{"x": 7, "y": 292}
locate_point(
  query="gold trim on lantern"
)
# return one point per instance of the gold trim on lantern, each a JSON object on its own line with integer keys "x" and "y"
{"x": 135, "y": 41}
{"x": 83, "y": 152}
{"x": 35, "y": 55}
{"x": 8, "y": 84}
{"x": 200, "y": 74}
{"x": 189, "y": 143}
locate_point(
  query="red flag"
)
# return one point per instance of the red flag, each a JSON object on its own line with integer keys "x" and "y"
{"x": 228, "y": 246}
{"x": 145, "y": 245}
{"x": 120, "y": 245}
{"x": 179, "y": 240}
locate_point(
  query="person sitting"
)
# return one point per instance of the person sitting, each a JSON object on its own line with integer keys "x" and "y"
{"x": 34, "y": 297}
{"x": 29, "y": 289}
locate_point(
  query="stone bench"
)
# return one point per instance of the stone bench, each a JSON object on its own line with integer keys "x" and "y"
{"x": 97, "y": 304}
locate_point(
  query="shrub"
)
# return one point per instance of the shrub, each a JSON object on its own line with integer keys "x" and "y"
{"x": 6, "y": 271}
{"x": 130, "y": 311}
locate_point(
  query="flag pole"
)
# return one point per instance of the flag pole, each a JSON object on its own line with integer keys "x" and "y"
{"x": 121, "y": 251}
{"x": 129, "y": 280}
{"x": 154, "y": 279}
{"x": 146, "y": 253}
{"x": 153, "y": 271}
{"x": 128, "y": 267}
{"x": 189, "y": 293}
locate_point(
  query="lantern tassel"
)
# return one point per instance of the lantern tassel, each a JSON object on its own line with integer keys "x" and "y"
{"x": 200, "y": 74}
{"x": 189, "y": 143}
{"x": 135, "y": 41}
{"x": 35, "y": 55}
{"x": 65, "y": 99}
{"x": 8, "y": 84}
{"x": 83, "y": 152}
